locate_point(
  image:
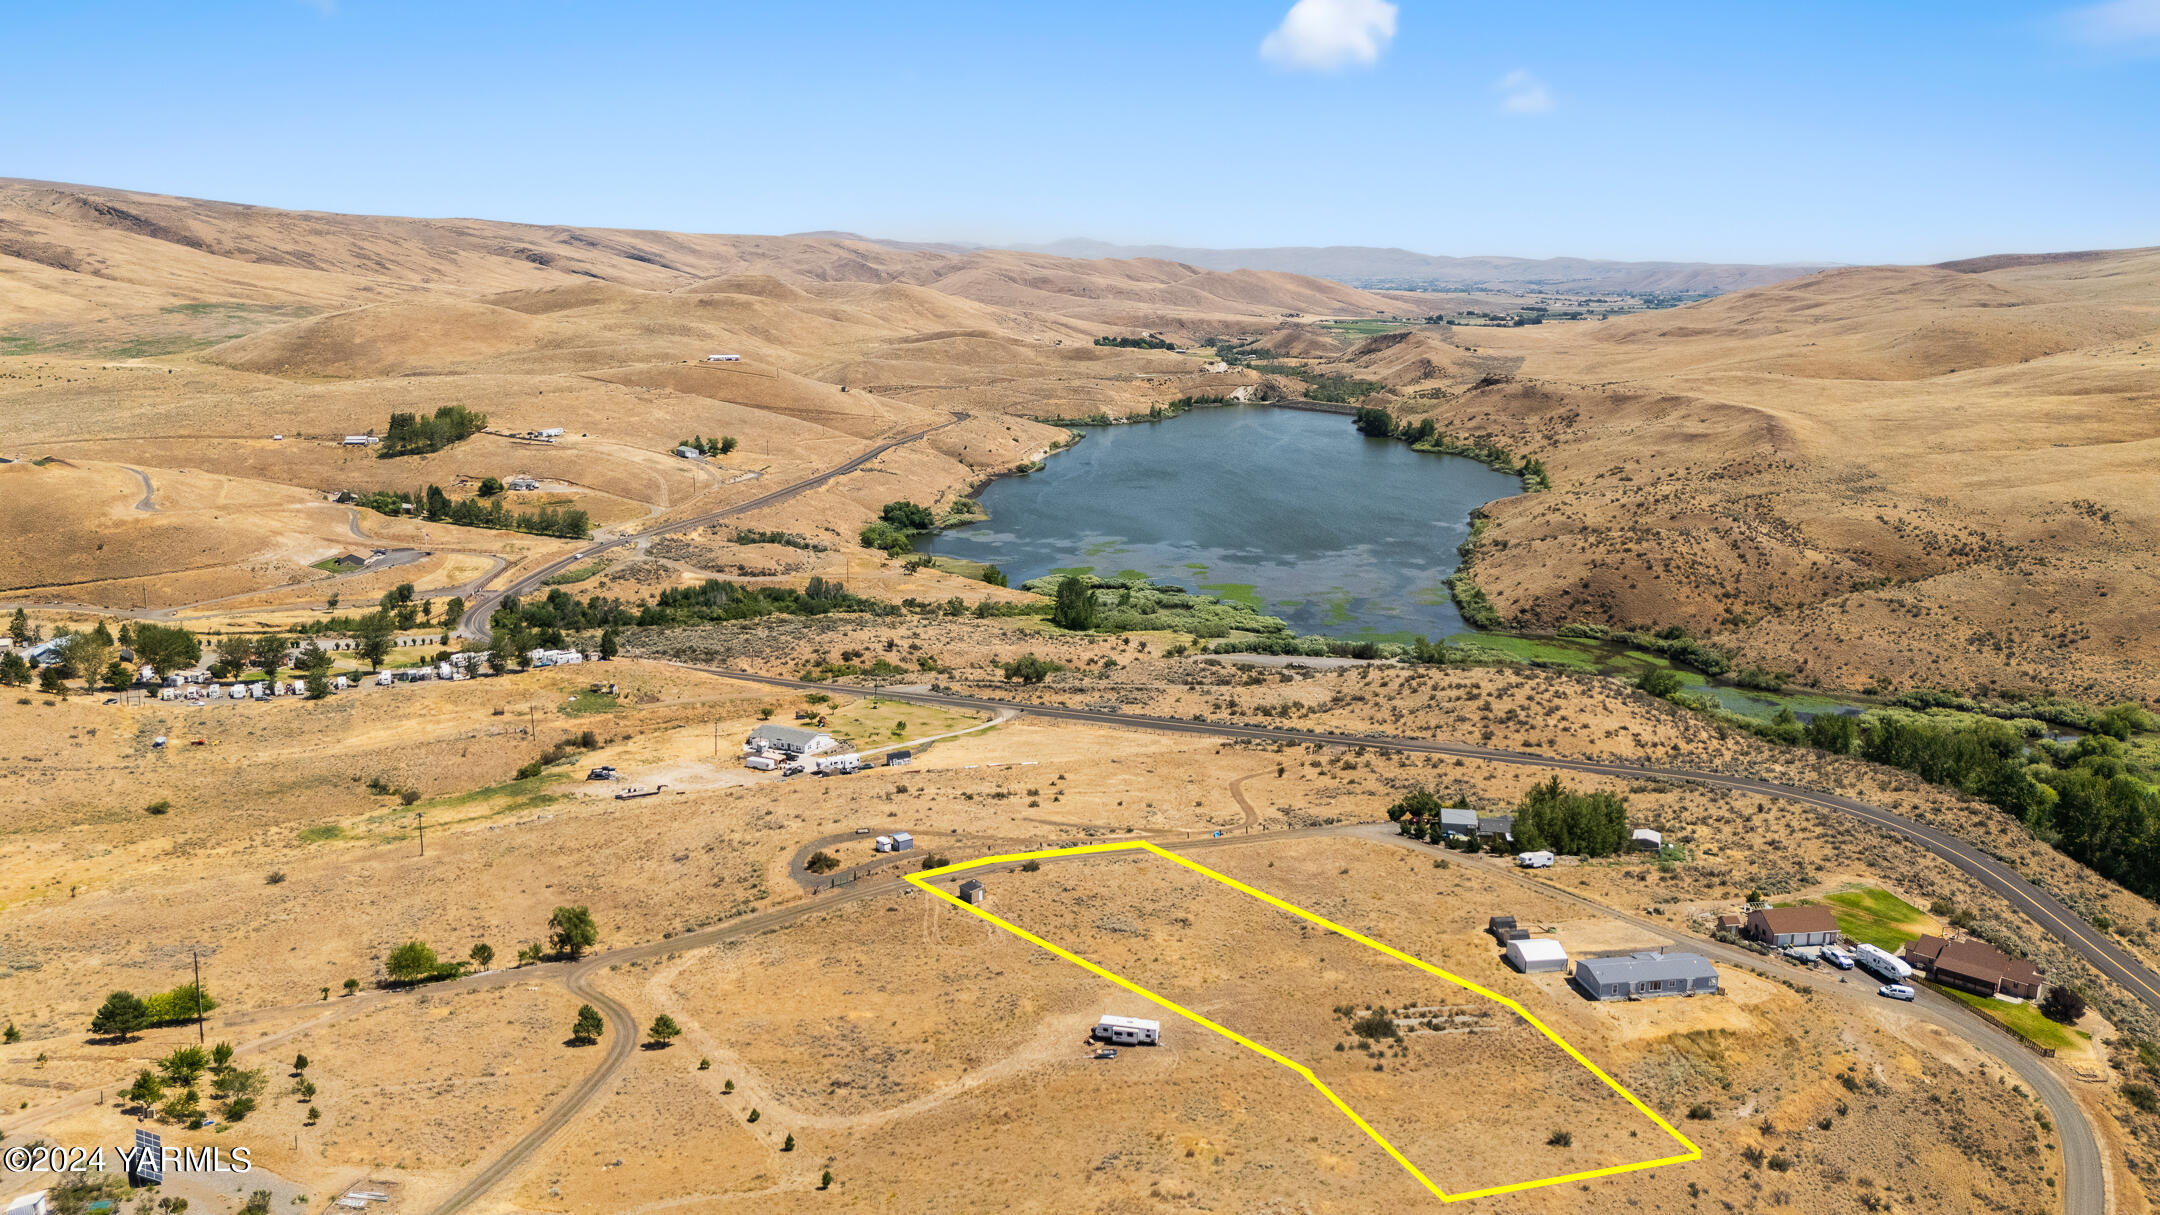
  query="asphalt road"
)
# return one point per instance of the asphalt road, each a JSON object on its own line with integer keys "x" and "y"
{"x": 474, "y": 625}
{"x": 2045, "y": 909}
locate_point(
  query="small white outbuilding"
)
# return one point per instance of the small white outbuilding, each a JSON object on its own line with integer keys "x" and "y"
{"x": 1537, "y": 955}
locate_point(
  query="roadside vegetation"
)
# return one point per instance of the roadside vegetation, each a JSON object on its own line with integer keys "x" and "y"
{"x": 485, "y": 511}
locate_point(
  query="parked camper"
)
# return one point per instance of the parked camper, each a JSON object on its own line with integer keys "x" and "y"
{"x": 837, "y": 765}
{"x": 384, "y": 679}
{"x": 763, "y": 763}
{"x": 1883, "y": 965}
{"x": 883, "y": 843}
{"x": 1535, "y": 860}
{"x": 1128, "y": 1031}
{"x": 238, "y": 691}
{"x": 443, "y": 669}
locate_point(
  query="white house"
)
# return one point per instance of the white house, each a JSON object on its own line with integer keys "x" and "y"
{"x": 689, "y": 453}
{"x": 522, "y": 482}
{"x": 723, "y": 358}
{"x": 554, "y": 658}
{"x": 790, "y": 741}
{"x": 1536, "y": 955}
{"x": 1128, "y": 1031}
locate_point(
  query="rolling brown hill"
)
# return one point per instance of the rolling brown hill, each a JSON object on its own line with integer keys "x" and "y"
{"x": 1882, "y": 476}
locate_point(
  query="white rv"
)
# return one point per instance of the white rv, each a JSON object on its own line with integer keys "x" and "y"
{"x": 1129, "y": 1031}
{"x": 1535, "y": 860}
{"x": 1882, "y": 964}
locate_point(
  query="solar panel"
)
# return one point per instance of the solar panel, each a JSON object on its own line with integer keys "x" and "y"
{"x": 148, "y": 1164}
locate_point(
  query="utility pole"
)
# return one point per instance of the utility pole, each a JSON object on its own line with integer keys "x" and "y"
{"x": 197, "y": 954}
{"x": 422, "y": 816}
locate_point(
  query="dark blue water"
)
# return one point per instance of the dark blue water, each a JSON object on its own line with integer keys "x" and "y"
{"x": 1292, "y": 511}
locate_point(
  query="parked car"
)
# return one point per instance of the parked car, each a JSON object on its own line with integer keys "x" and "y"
{"x": 603, "y": 772}
{"x": 1837, "y": 957}
{"x": 1896, "y": 991}
{"x": 1107, "y": 1053}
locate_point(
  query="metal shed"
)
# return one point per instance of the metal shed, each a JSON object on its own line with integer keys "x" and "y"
{"x": 1537, "y": 955}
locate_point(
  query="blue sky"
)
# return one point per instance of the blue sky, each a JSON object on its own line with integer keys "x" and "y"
{"x": 1853, "y": 132}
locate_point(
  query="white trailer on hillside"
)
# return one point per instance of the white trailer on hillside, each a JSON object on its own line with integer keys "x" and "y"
{"x": 1882, "y": 964}
{"x": 1128, "y": 1031}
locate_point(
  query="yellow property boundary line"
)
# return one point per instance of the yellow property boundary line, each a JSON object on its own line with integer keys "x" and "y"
{"x": 922, "y": 882}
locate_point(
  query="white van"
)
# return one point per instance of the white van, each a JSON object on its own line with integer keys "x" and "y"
{"x": 1896, "y": 991}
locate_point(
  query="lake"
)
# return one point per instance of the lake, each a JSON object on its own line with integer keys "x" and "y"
{"x": 1289, "y": 510}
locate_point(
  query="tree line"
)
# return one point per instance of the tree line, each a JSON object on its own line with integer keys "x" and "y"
{"x": 411, "y": 434}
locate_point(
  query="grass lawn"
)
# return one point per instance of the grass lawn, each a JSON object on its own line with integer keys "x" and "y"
{"x": 588, "y": 701}
{"x": 1878, "y": 917}
{"x": 891, "y": 721}
{"x": 2024, "y": 1020}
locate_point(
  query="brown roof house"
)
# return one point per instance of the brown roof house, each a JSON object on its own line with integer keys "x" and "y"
{"x": 1781, "y": 926}
{"x": 1974, "y": 966}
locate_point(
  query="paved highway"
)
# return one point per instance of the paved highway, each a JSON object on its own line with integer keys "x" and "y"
{"x": 2045, "y": 909}
{"x": 474, "y": 625}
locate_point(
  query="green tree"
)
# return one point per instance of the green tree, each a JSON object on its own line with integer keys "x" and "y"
{"x": 14, "y": 672}
{"x": 221, "y": 1056}
{"x": 490, "y": 486}
{"x": 412, "y": 962}
{"x": 994, "y": 576}
{"x": 11, "y": 1035}
{"x": 483, "y": 955}
{"x": 235, "y": 652}
{"x": 51, "y": 683}
{"x": 19, "y": 627}
{"x": 184, "y": 1064}
{"x": 1555, "y": 818}
{"x": 270, "y": 651}
{"x": 184, "y": 1107}
{"x": 588, "y": 1028}
{"x": 1660, "y": 682}
{"x": 117, "y": 676}
{"x": 610, "y": 644}
{"x": 351, "y": 986}
{"x": 884, "y": 536}
{"x": 908, "y": 516}
{"x": 373, "y": 638}
{"x": 825, "y": 1182}
{"x": 571, "y": 931}
{"x": 1075, "y": 608}
{"x": 147, "y": 1090}
{"x": 664, "y": 1030}
{"x": 300, "y": 1063}
{"x": 2064, "y": 1004}
{"x": 1832, "y": 732}
{"x": 122, "y": 1016}
{"x": 789, "y": 1146}
{"x": 318, "y": 684}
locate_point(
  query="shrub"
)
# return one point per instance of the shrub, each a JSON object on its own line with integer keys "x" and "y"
{"x": 1560, "y": 1139}
{"x": 2141, "y": 1096}
{"x": 2063, "y": 1004}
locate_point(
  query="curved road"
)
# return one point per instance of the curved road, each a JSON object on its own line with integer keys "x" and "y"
{"x": 474, "y": 625}
{"x": 2044, "y": 909}
{"x": 2084, "y": 1173}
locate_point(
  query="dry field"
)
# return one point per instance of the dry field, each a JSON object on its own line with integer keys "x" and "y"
{"x": 905, "y": 1045}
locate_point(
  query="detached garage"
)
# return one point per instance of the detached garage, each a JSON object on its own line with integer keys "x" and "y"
{"x": 1537, "y": 955}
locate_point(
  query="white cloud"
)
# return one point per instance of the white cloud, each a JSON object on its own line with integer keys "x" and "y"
{"x": 2115, "y": 23}
{"x": 1323, "y": 35}
{"x": 1522, "y": 93}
